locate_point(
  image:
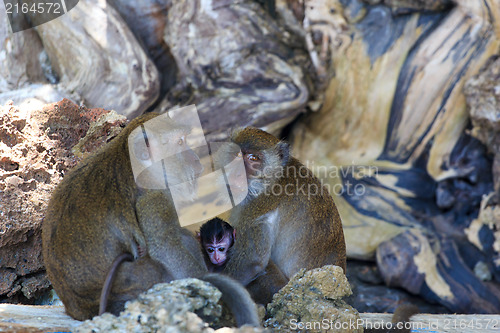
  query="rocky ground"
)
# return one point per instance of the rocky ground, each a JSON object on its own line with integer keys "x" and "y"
{"x": 37, "y": 146}
{"x": 191, "y": 305}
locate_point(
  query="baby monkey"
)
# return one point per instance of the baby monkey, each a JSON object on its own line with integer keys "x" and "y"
{"x": 216, "y": 237}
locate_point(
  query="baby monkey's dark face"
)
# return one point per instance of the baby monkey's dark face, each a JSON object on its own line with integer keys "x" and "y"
{"x": 217, "y": 250}
{"x": 217, "y": 237}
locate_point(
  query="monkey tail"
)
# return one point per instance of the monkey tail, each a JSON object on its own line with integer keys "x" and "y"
{"x": 106, "y": 288}
{"x": 237, "y": 299}
{"x": 401, "y": 315}
{"x": 404, "y": 312}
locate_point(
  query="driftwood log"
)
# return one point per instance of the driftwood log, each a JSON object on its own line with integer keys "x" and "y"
{"x": 390, "y": 140}
{"x": 147, "y": 20}
{"x": 387, "y": 127}
{"x": 35, "y": 319}
{"x": 90, "y": 51}
{"x": 237, "y": 64}
{"x": 94, "y": 53}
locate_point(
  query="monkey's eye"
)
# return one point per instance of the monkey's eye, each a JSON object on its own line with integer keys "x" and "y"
{"x": 252, "y": 157}
{"x": 222, "y": 249}
{"x": 210, "y": 250}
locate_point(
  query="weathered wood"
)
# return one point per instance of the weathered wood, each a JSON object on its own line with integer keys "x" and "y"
{"x": 237, "y": 64}
{"x": 433, "y": 267}
{"x": 31, "y": 319}
{"x": 405, "y": 6}
{"x": 481, "y": 229}
{"x": 390, "y": 142}
{"x": 95, "y": 54}
{"x": 26, "y": 318}
{"x": 147, "y": 19}
{"x": 19, "y": 57}
{"x": 351, "y": 126}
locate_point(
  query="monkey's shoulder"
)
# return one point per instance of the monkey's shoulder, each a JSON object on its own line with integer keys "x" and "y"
{"x": 97, "y": 186}
{"x": 296, "y": 172}
{"x": 114, "y": 155}
{"x": 303, "y": 179}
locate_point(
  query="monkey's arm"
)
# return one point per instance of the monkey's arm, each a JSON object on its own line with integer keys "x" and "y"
{"x": 250, "y": 254}
{"x": 166, "y": 241}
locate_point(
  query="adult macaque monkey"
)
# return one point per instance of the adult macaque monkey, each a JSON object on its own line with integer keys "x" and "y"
{"x": 287, "y": 221}
{"x": 98, "y": 218}
{"x": 216, "y": 238}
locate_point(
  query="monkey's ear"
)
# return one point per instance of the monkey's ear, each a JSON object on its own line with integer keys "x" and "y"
{"x": 234, "y": 234}
{"x": 198, "y": 236}
{"x": 283, "y": 149}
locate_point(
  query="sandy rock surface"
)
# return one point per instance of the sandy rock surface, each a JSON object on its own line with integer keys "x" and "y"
{"x": 314, "y": 298}
{"x": 35, "y": 152}
{"x": 178, "y": 306}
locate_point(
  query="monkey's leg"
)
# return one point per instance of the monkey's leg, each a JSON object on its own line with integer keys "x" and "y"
{"x": 106, "y": 289}
{"x": 266, "y": 285}
{"x": 133, "y": 278}
{"x": 192, "y": 245}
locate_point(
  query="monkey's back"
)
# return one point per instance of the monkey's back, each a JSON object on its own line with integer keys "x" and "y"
{"x": 316, "y": 227}
{"x": 90, "y": 220}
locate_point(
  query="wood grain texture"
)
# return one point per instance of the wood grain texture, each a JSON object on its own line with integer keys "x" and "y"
{"x": 31, "y": 319}
{"x": 237, "y": 64}
{"x": 95, "y": 54}
{"x": 392, "y": 127}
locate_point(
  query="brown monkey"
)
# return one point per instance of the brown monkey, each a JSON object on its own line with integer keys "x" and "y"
{"x": 288, "y": 219}
{"x": 99, "y": 215}
{"x": 216, "y": 238}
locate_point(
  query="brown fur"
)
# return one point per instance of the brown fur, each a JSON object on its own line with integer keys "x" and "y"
{"x": 98, "y": 213}
{"x": 294, "y": 231}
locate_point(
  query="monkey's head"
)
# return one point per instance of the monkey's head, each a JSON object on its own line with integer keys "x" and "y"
{"x": 161, "y": 156}
{"x": 264, "y": 157}
{"x": 217, "y": 237}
